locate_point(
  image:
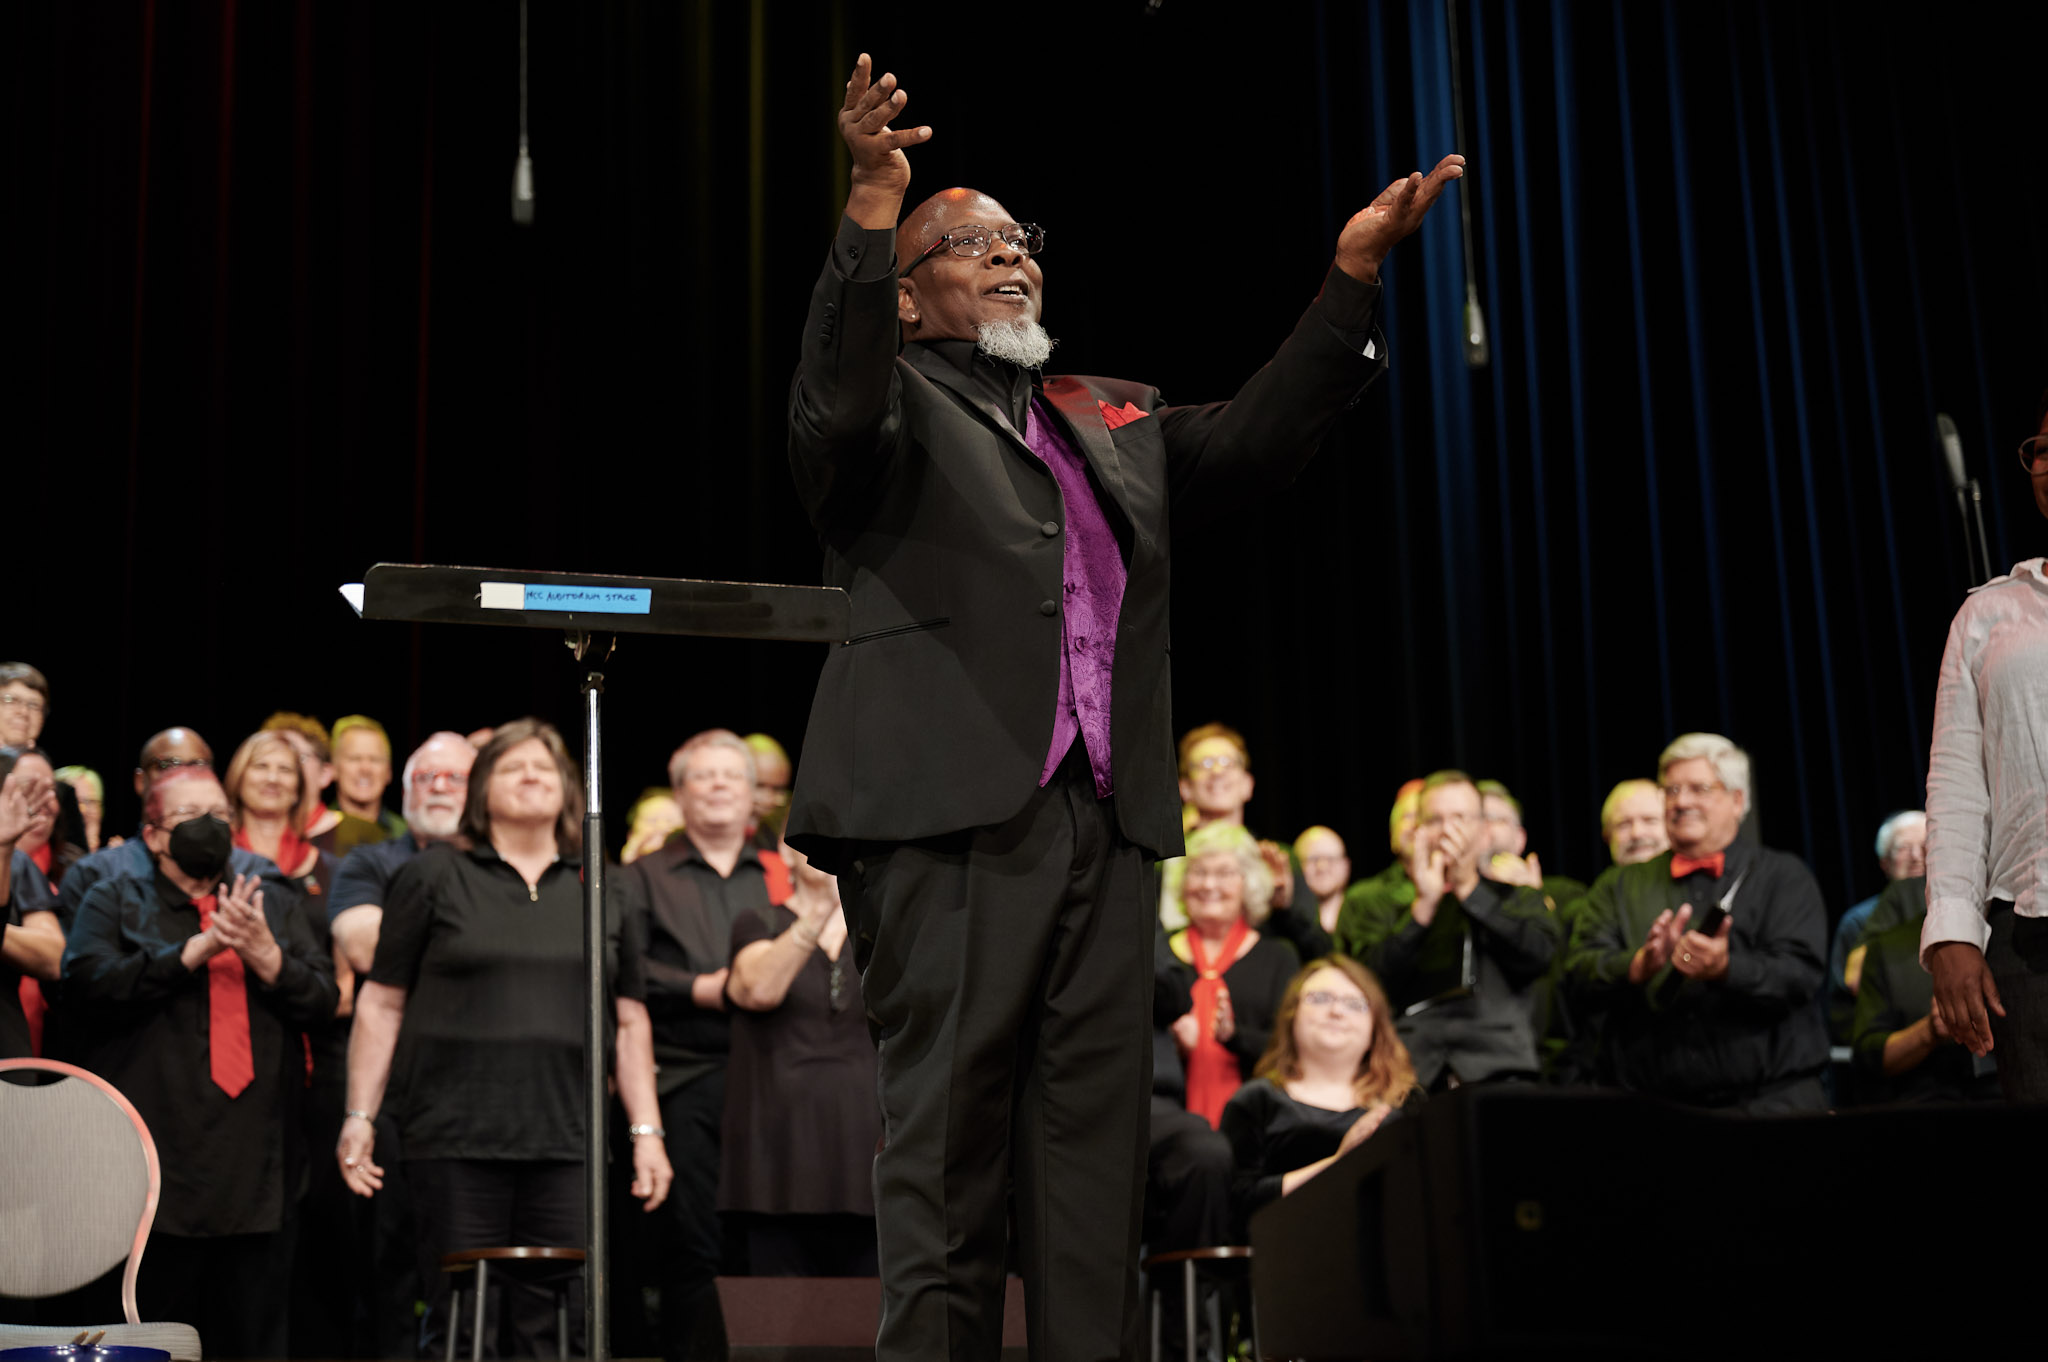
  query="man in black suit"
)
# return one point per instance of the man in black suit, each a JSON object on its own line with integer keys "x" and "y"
{"x": 989, "y": 764}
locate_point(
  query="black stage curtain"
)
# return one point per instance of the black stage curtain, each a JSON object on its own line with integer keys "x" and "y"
{"x": 276, "y": 324}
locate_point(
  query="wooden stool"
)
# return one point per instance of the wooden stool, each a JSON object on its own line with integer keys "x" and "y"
{"x": 480, "y": 1261}
{"x": 1190, "y": 1260}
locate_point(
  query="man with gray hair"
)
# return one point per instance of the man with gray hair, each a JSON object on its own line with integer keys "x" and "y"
{"x": 680, "y": 903}
{"x": 1902, "y": 855}
{"x": 1702, "y": 964}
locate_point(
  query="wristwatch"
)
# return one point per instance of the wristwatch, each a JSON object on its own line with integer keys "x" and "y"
{"x": 638, "y": 1130}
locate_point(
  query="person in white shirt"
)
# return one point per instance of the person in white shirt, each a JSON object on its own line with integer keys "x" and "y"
{"x": 1986, "y": 937}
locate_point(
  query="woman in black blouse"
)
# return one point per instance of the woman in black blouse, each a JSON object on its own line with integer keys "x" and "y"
{"x": 1335, "y": 1070}
{"x": 478, "y": 988}
{"x": 1239, "y": 971}
{"x": 801, "y": 1116}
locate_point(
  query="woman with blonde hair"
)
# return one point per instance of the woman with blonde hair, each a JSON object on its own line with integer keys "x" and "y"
{"x": 1335, "y": 1070}
{"x": 266, "y": 788}
{"x": 1240, "y": 971}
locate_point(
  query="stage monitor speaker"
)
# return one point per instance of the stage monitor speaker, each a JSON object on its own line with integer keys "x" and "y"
{"x": 1519, "y": 1221}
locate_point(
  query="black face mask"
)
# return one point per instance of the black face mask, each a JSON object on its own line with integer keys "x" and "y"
{"x": 200, "y": 846}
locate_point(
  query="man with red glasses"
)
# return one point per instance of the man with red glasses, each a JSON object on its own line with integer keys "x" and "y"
{"x": 1699, "y": 968}
{"x": 989, "y": 765}
{"x": 1986, "y": 937}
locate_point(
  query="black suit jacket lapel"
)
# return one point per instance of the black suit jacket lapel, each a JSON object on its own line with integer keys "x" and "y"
{"x": 965, "y": 388}
{"x": 1071, "y": 398}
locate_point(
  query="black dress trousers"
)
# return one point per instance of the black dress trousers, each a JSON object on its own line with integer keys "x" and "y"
{"x": 1008, "y": 978}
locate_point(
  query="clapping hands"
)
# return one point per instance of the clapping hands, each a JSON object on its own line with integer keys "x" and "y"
{"x": 239, "y": 926}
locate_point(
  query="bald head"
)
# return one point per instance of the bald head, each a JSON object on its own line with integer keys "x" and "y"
{"x": 947, "y": 208}
{"x": 180, "y": 746}
{"x": 946, "y": 296}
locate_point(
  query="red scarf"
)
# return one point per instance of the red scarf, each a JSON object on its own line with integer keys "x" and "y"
{"x": 291, "y": 848}
{"x": 41, "y": 856}
{"x": 1212, "y": 1070}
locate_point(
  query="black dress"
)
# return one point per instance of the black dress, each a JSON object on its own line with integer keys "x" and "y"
{"x": 1271, "y": 1135}
{"x": 801, "y": 1114}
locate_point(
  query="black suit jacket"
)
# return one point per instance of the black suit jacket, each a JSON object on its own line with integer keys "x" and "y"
{"x": 949, "y": 533}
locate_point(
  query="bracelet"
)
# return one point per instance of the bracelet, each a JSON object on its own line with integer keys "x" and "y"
{"x": 656, "y": 1131}
{"x": 364, "y": 1115}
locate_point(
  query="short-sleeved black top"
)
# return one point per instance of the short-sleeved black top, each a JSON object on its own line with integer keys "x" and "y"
{"x": 490, "y": 1055}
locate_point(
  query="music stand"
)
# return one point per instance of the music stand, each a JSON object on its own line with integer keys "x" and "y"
{"x": 592, "y": 610}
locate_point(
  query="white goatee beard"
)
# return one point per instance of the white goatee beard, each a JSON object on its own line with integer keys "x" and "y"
{"x": 1017, "y": 341}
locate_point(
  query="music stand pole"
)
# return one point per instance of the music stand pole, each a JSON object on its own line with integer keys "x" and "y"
{"x": 592, "y": 650}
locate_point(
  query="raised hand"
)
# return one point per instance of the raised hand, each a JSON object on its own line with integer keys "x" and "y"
{"x": 1282, "y": 870}
{"x": 1428, "y": 869}
{"x": 1655, "y": 952}
{"x": 1379, "y": 226}
{"x": 878, "y": 159}
{"x": 1226, "y": 1017}
{"x": 240, "y": 925}
{"x": 22, "y": 796}
{"x": 1507, "y": 868}
{"x": 1703, "y": 957}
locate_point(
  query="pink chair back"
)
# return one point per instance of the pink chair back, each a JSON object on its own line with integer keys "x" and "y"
{"x": 79, "y": 1185}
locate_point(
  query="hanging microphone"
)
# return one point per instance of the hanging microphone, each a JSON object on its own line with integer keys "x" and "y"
{"x": 522, "y": 169}
{"x": 1952, "y": 448}
{"x": 522, "y": 187}
{"x": 1476, "y": 352}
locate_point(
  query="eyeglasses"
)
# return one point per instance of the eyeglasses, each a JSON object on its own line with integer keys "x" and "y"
{"x": 426, "y": 780}
{"x": 163, "y": 764}
{"x": 172, "y": 817}
{"x": 1672, "y": 792}
{"x": 973, "y": 239}
{"x": 1342, "y": 1002}
{"x": 2034, "y": 454}
{"x": 1214, "y": 874}
{"x": 1320, "y": 861}
{"x": 9, "y": 701}
{"x": 1211, "y": 765}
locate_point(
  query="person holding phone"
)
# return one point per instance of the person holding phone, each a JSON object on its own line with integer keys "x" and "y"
{"x": 1701, "y": 965}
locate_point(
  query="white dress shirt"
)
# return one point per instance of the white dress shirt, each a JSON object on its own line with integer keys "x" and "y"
{"x": 1987, "y": 774}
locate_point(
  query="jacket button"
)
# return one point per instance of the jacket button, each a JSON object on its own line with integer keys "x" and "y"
{"x": 1048, "y": 608}
{"x": 1050, "y": 529}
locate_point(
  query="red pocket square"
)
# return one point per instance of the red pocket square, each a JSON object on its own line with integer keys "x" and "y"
{"x": 1112, "y": 417}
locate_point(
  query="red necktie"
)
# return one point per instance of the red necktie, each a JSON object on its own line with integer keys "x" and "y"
{"x": 234, "y": 1063}
{"x": 1681, "y": 866}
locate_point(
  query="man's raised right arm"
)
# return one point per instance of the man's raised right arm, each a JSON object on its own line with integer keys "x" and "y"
{"x": 843, "y": 403}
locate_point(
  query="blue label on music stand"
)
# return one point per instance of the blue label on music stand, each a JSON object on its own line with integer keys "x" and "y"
{"x": 567, "y": 600}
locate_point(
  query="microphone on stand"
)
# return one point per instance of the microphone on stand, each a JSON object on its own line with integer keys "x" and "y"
{"x": 1476, "y": 352}
{"x": 1969, "y": 503}
{"x": 1952, "y": 447}
{"x": 522, "y": 168}
{"x": 522, "y": 187}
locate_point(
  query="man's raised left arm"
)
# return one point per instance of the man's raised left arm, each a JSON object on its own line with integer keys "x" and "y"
{"x": 1220, "y": 453}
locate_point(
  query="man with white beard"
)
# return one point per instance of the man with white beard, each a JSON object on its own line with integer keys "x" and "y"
{"x": 989, "y": 766}
{"x": 436, "y": 786}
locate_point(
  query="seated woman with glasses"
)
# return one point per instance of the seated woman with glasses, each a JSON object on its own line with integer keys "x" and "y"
{"x": 1240, "y": 973}
{"x": 1335, "y": 1071}
{"x": 801, "y": 1117}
